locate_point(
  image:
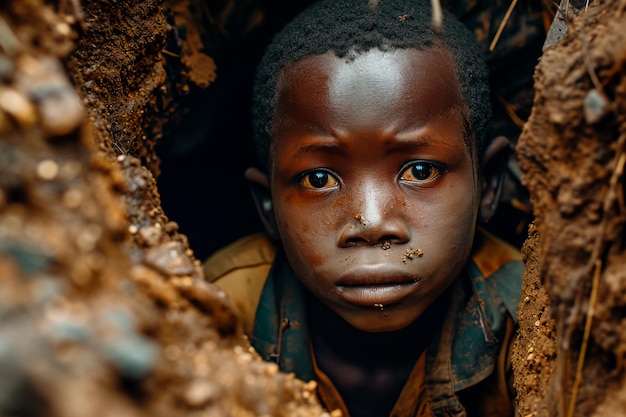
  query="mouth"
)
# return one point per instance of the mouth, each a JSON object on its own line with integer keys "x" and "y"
{"x": 375, "y": 288}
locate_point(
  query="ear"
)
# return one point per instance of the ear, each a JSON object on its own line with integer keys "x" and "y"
{"x": 260, "y": 188}
{"x": 493, "y": 172}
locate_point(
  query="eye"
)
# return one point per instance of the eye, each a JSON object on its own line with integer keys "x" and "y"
{"x": 422, "y": 172}
{"x": 317, "y": 180}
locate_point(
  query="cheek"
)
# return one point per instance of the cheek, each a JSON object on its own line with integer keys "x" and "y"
{"x": 462, "y": 205}
{"x": 448, "y": 224}
{"x": 461, "y": 214}
{"x": 309, "y": 217}
{"x": 299, "y": 230}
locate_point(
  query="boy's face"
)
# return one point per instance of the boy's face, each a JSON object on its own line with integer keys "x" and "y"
{"x": 374, "y": 189}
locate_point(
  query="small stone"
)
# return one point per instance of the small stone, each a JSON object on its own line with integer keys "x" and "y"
{"x": 70, "y": 170}
{"x": 89, "y": 237}
{"x": 69, "y": 330}
{"x": 133, "y": 355}
{"x": 72, "y": 198}
{"x": 48, "y": 289}
{"x": 47, "y": 169}
{"x": 271, "y": 369}
{"x": 121, "y": 319}
{"x": 155, "y": 286}
{"x": 170, "y": 227}
{"x": 200, "y": 393}
{"x": 558, "y": 117}
{"x": 62, "y": 113}
{"x": 63, "y": 29}
{"x": 596, "y": 106}
{"x": 244, "y": 358}
{"x": 18, "y": 107}
{"x": 150, "y": 235}
{"x": 31, "y": 259}
{"x": 170, "y": 259}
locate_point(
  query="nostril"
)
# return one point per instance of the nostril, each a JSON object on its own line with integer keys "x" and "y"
{"x": 355, "y": 241}
{"x": 388, "y": 239}
{"x": 375, "y": 232}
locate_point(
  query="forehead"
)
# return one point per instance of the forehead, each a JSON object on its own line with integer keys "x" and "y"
{"x": 394, "y": 89}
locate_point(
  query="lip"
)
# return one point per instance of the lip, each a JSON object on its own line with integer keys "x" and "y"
{"x": 375, "y": 286}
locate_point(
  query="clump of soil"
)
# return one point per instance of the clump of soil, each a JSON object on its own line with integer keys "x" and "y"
{"x": 103, "y": 307}
{"x": 117, "y": 67}
{"x": 572, "y": 154}
{"x": 534, "y": 348}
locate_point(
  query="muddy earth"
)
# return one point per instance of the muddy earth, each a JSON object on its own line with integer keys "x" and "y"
{"x": 103, "y": 305}
{"x": 569, "y": 355}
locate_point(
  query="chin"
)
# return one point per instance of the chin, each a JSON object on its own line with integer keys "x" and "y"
{"x": 378, "y": 322}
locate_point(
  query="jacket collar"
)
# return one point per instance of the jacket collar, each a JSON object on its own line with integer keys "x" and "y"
{"x": 463, "y": 352}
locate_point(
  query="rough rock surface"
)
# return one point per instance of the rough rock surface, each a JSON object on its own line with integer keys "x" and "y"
{"x": 103, "y": 307}
{"x": 570, "y": 354}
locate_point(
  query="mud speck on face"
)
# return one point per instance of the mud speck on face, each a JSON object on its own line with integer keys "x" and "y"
{"x": 359, "y": 217}
{"x": 410, "y": 253}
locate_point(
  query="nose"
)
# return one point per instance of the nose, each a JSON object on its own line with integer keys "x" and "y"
{"x": 376, "y": 219}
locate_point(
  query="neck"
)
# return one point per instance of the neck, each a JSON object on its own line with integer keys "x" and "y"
{"x": 330, "y": 331}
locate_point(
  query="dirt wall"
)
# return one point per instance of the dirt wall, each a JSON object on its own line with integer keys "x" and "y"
{"x": 570, "y": 354}
{"x": 103, "y": 307}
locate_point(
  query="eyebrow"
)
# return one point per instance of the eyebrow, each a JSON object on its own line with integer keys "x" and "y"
{"x": 411, "y": 138}
{"x": 405, "y": 142}
{"x": 410, "y": 142}
{"x": 416, "y": 140}
{"x": 328, "y": 144}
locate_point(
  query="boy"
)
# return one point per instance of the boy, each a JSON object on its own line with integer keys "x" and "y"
{"x": 371, "y": 131}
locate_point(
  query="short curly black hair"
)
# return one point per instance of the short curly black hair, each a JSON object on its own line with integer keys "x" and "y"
{"x": 356, "y": 26}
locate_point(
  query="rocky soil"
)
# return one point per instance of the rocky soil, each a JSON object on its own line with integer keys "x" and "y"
{"x": 572, "y": 344}
{"x": 103, "y": 307}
